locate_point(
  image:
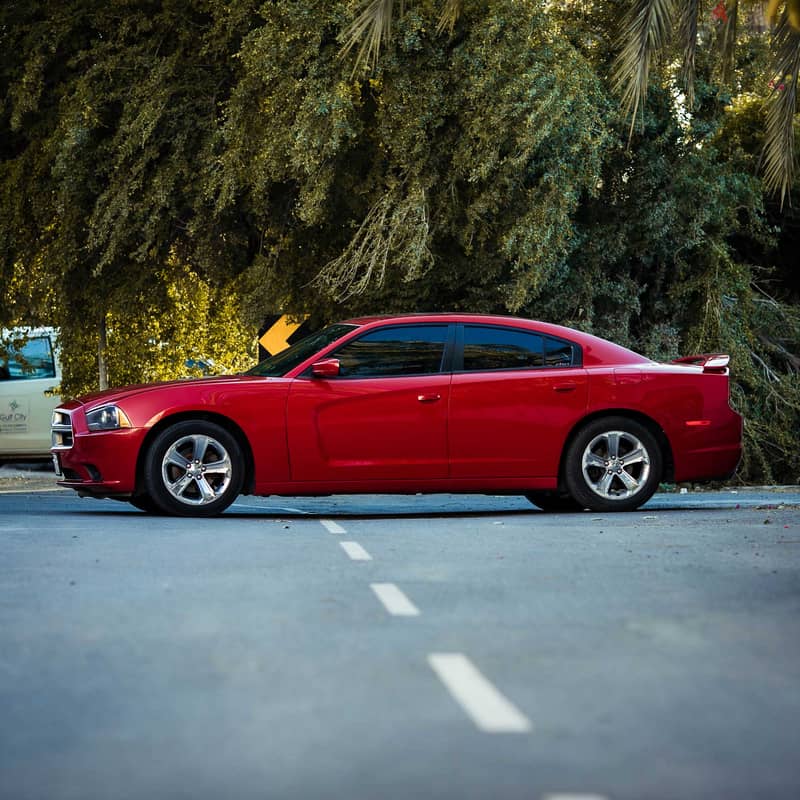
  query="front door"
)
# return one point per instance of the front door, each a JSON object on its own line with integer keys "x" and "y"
{"x": 384, "y": 417}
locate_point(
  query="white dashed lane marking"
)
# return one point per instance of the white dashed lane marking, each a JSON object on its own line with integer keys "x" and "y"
{"x": 487, "y": 707}
{"x": 331, "y": 526}
{"x": 573, "y": 796}
{"x": 355, "y": 551}
{"x": 395, "y": 602}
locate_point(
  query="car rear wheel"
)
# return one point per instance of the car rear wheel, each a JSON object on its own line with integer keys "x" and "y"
{"x": 613, "y": 464}
{"x": 194, "y": 469}
{"x": 554, "y": 501}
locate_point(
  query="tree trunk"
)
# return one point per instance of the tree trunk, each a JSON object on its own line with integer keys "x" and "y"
{"x": 102, "y": 344}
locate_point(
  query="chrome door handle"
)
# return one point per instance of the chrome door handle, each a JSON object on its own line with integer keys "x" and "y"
{"x": 428, "y": 398}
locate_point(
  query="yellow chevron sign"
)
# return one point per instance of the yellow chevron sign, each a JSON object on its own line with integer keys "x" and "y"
{"x": 276, "y": 337}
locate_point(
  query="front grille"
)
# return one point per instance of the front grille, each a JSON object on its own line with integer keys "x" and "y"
{"x": 61, "y": 430}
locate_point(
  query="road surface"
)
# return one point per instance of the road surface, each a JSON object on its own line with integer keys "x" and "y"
{"x": 390, "y": 647}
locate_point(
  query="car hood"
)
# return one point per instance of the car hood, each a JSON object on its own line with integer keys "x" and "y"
{"x": 120, "y": 393}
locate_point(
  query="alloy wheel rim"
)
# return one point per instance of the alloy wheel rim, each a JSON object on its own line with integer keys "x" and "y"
{"x": 615, "y": 465}
{"x": 196, "y": 470}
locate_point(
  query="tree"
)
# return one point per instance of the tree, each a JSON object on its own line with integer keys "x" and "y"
{"x": 109, "y": 108}
{"x": 646, "y": 28}
{"x": 447, "y": 177}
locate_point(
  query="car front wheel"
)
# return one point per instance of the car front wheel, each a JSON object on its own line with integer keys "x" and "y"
{"x": 613, "y": 464}
{"x": 144, "y": 503}
{"x": 554, "y": 501}
{"x": 194, "y": 469}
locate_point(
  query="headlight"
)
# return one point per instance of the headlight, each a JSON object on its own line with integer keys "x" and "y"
{"x": 106, "y": 418}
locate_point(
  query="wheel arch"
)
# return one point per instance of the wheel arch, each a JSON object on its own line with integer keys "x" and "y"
{"x": 207, "y": 416}
{"x": 643, "y": 419}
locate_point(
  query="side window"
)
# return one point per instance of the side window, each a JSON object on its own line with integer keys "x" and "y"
{"x": 558, "y": 353}
{"x": 501, "y": 348}
{"x": 33, "y": 359}
{"x": 399, "y": 350}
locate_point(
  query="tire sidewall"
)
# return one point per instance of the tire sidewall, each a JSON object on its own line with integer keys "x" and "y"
{"x": 573, "y": 472}
{"x": 153, "y": 479}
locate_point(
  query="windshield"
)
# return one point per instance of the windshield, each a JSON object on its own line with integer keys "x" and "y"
{"x": 281, "y": 363}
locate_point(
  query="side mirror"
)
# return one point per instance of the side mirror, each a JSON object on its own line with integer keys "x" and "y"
{"x": 329, "y": 368}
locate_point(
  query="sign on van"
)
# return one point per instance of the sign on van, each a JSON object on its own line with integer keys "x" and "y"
{"x": 14, "y": 417}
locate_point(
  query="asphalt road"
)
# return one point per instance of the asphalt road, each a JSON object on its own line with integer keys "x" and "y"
{"x": 389, "y": 647}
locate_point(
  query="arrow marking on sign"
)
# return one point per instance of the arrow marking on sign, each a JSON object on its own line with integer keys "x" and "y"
{"x": 276, "y": 337}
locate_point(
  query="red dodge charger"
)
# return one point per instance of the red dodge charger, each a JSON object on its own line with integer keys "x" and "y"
{"x": 417, "y": 403}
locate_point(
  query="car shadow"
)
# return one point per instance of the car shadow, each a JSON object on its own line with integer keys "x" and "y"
{"x": 283, "y": 514}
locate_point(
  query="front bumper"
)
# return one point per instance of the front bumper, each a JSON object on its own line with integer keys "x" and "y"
{"x": 101, "y": 463}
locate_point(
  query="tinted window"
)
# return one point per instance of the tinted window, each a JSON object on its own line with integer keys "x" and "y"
{"x": 501, "y": 348}
{"x": 31, "y": 359}
{"x": 558, "y": 353}
{"x": 402, "y": 350}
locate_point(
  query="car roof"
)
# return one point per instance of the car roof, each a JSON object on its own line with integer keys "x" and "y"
{"x": 462, "y": 316}
{"x": 596, "y": 351}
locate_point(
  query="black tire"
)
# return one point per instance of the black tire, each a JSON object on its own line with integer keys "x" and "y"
{"x": 613, "y": 464}
{"x": 144, "y": 503}
{"x": 193, "y": 469}
{"x": 554, "y": 502}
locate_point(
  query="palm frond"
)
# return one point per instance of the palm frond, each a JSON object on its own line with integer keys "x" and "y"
{"x": 792, "y": 12}
{"x": 778, "y": 155}
{"x": 728, "y": 40}
{"x": 371, "y": 28}
{"x": 687, "y": 31}
{"x": 646, "y": 28}
{"x": 449, "y": 16}
{"x": 773, "y": 7}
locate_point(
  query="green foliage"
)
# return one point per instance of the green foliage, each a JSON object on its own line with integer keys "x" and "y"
{"x": 109, "y": 113}
{"x": 458, "y": 159}
{"x": 152, "y": 338}
{"x": 648, "y": 28}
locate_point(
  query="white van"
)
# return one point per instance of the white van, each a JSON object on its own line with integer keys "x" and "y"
{"x": 30, "y": 376}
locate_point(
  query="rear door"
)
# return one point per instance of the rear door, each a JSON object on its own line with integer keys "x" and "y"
{"x": 384, "y": 417}
{"x": 514, "y": 397}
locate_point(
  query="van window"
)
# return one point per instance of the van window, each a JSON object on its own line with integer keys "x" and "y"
{"x": 23, "y": 359}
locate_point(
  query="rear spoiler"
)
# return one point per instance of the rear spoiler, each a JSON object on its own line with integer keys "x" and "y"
{"x": 710, "y": 362}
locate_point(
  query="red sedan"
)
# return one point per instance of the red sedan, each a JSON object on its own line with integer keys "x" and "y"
{"x": 418, "y": 403}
